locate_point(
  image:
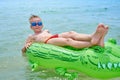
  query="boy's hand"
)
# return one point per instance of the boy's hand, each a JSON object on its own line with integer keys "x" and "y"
{"x": 28, "y": 45}
{"x": 25, "y": 47}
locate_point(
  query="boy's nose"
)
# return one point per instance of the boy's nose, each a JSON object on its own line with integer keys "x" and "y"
{"x": 37, "y": 25}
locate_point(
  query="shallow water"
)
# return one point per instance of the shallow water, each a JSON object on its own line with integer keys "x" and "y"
{"x": 58, "y": 16}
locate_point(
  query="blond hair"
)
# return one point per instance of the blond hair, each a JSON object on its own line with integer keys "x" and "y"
{"x": 33, "y": 16}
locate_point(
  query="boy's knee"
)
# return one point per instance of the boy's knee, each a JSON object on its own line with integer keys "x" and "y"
{"x": 72, "y": 32}
{"x": 68, "y": 40}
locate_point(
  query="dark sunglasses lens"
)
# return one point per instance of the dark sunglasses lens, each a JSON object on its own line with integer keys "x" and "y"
{"x": 33, "y": 24}
{"x": 39, "y": 23}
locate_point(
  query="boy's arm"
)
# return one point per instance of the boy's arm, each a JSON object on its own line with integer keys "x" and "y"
{"x": 23, "y": 50}
{"x": 27, "y": 43}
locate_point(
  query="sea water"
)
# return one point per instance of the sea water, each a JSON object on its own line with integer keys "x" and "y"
{"x": 58, "y": 16}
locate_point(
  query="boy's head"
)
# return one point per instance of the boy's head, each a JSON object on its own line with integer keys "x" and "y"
{"x": 36, "y": 23}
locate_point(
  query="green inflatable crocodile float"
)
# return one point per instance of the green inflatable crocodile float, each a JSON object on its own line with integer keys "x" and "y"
{"x": 96, "y": 61}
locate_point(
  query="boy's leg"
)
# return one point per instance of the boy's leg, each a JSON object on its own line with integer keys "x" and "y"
{"x": 84, "y": 37}
{"x": 69, "y": 42}
{"x": 76, "y": 36}
{"x": 79, "y": 44}
{"x": 58, "y": 41}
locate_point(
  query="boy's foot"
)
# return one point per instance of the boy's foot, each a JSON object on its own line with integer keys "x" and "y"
{"x": 98, "y": 34}
{"x": 101, "y": 43}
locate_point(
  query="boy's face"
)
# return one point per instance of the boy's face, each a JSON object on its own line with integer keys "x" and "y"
{"x": 36, "y": 24}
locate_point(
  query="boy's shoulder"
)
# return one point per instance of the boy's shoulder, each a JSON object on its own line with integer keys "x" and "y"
{"x": 46, "y": 31}
{"x": 31, "y": 35}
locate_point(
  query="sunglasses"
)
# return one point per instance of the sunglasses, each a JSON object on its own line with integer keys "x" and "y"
{"x": 33, "y": 24}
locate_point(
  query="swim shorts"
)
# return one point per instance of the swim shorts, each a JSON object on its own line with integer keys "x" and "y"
{"x": 54, "y": 36}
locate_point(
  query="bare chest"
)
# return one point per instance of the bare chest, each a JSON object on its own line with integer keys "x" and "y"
{"x": 42, "y": 37}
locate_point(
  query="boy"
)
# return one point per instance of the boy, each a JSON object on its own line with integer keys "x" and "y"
{"x": 71, "y": 38}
